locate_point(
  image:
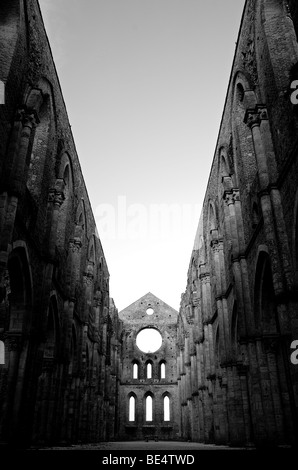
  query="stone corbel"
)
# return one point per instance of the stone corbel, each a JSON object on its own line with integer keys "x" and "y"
{"x": 254, "y": 116}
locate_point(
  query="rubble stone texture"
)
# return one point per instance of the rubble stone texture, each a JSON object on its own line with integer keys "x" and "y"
{"x": 69, "y": 361}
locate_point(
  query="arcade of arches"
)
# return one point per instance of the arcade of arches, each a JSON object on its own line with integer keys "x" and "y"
{"x": 71, "y": 366}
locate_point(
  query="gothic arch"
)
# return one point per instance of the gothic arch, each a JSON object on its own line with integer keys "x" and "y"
{"x": 135, "y": 369}
{"x": 224, "y": 167}
{"x": 264, "y": 298}
{"x": 212, "y": 217}
{"x": 167, "y": 406}
{"x": 132, "y": 407}
{"x": 243, "y": 98}
{"x": 81, "y": 220}
{"x": 40, "y": 100}
{"x": 64, "y": 185}
{"x": 51, "y": 349}
{"x": 162, "y": 369}
{"x": 92, "y": 250}
{"x": 149, "y": 407}
{"x": 20, "y": 297}
{"x": 149, "y": 369}
{"x": 18, "y": 326}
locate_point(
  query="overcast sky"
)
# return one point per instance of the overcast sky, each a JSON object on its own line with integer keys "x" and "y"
{"x": 144, "y": 82}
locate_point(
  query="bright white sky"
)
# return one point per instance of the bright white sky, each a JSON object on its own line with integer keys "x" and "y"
{"x": 144, "y": 82}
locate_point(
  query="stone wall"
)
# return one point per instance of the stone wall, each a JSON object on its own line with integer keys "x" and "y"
{"x": 238, "y": 315}
{"x": 57, "y": 322}
{"x": 139, "y": 385}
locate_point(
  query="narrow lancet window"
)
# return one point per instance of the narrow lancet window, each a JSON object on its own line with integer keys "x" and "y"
{"x": 132, "y": 409}
{"x": 166, "y": 408}
{"x": 135, "y": 371}
{"x": 149, "y": 408}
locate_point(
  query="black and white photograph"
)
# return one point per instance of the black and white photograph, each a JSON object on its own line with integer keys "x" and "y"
{"x": 149, "y": 232}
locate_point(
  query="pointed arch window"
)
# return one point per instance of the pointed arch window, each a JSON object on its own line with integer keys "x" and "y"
{"x": 132, "y": 409}
{"x": 135, "y": 370}
{"x": 162, "y": 370}
{"x": 149, "y": 370}
{"x": 149, "y": 408}
{"x": 266, "y": 318}
{"x": 166, "y": 408}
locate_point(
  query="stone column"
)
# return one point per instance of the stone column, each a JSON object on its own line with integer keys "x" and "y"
{"x": 232, "y": 200}
{"x": 16, "y": 175}
{"x": 55, "y": 200}
{"x": 253, "y": 119}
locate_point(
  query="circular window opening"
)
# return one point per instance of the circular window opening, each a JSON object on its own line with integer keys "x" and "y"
{"x": 149, "y": 340}
{"x": 149, "y": 311}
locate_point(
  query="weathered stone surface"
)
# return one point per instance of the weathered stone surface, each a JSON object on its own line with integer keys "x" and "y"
{"x": 241, "y": 298}
{"x": 67, "y": 356}
{"x": 57, "y": 322}
{"x": 135, "y": 319}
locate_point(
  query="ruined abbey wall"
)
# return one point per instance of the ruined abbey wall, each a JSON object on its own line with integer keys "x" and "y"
{"x": 69, "y": 363}
{"x": 238, "y": 314}
{"x": 58, "y": 326}
{"x": 157, "y": 385}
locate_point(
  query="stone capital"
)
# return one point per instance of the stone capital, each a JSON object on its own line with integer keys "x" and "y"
{"x": 254, "y": 116}
{"x": 56, "y": 197}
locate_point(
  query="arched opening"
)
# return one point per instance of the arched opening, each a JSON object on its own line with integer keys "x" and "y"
{"x": 64, "y": 185}
{"x": 166, "y": 408}
{"x": 20, "y": 290}
{"x": 132, "y": 408}
{"x": 37, "y": 157}
{"x": 212, "y": 218}
{"x": 52, "y": 334}
{"x": 239, "y": 92}
{"x": 18, "y": 326}
{"x": 135, "y": 370}
{"x": 149, "y": 408}
{"x": 265, "y": 306}
{"x": 243, "y": 148}
{"x": 163, "y": 370}
{"x": 224, "y": 167}
{"x": 149, "y": 370}
{"x": 149, "y": 340}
